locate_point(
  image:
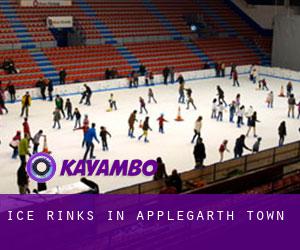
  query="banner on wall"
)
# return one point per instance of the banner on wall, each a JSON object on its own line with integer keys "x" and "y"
{"x": 36, "y": 3}
{"x": 59, "y": 22}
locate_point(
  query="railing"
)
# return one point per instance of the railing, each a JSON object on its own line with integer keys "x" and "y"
{"x": 223, "y": 170}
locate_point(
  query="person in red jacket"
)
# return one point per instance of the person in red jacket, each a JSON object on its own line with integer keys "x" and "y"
{"x": 26, "y": 128}
{"x": 161, "y": 120}
{"x": 235, "y": 77}
{"x": 84, "y": 128}
{"x": 14, "y": 144}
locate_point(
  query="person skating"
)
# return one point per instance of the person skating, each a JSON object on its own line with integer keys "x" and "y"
{"x": 2, "y": 102}
{"x": 161, "y": 120}
{"x": 12, "y": 92}
{"x": 199, "y": 153}
{"x": 282, "y": 133}
{"x": 132, "y": 119}
{"x": 77, "y": 116}
{"x": 68, "y": 108}
{"x": 142, "y": 105}
{"x": 221, "y": 95}
{"x": 222, "y": 149}
{"x": 89, "y": 93}
{"x": 161, "y": 172}
{"x": 197, "y": 129}
{"x": 50, "y": 89}
{"x": 36, "y": 141}
{"x": 103, "y": 135}
{"x": 238, "y": 101}
{"x": 289, "y": 89}
{"x": 146, "y": 128}
{"x": 214, "y": 109}
{"x": 26, "y": 102}
{"x": 89, "y": 136}
{"x": 23, "y": 179}
{"x": 291, "y": 104}
{"x": 14, "y": 144}
{"x": 232, "y": 111}
{"x": 298, "y": 105}
{"x": 262, "y": 84}
{"x": 181, "y": 98}
{"x": 240, "y": 146}
{"x": 252, "y": 124}
{"x": 256, "y": 145}
{"x": 235, "y": 77}
{"x": 270, "y": 99}
{"x": 56, "y": 118}
{"x": 59, "y": 103}
{"x": 84, "y": 128}
{"x": 240, "y": 116}
{"x": 26, "y": 128}
{"x": 172, "y": 75}
{"x": 112, "y": 102}
{"x": 190, "y": 100}
{"x": 221, "y": 109}
{"x": 23, "y": 149}
{"x": 151, "y": 96}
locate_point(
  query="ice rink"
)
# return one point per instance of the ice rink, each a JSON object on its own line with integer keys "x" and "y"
{"x": 174, "y": 146}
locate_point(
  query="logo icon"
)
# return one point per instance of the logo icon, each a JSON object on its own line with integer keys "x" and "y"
{"x": 41, "y": 167}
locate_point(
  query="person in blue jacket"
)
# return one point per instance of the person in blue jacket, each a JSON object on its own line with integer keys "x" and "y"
{"x": 89, "y": 136}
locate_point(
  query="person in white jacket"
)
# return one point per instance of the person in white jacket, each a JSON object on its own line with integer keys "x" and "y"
{"x": 197, "y": 129}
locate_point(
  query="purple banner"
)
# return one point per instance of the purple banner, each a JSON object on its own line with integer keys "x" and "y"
{"x": 149, "y": 222}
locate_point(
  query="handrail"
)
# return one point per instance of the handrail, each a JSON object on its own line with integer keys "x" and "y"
{"x": 212, "y": 173}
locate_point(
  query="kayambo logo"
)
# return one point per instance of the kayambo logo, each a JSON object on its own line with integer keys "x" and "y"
{"x": 41, "y": 167}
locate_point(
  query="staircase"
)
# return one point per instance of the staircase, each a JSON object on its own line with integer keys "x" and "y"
{"x": 197, "y": 51}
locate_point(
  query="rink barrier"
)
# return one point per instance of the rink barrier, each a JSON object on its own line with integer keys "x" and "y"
{"x": 196, "y": 178}
{"x": 122, "y": 83}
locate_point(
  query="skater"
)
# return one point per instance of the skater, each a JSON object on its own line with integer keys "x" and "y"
{"x": 181, "y": 98}
{"x": 62, "y": 76}
{"x": 232, "y": 69}
{"x": 88, "y": 95}
{"x": 26, "y": 128}
{"x": 197, "y": 129}
{"x": 282, "y": 133}
{"x": 151, "y": 78}
{"x": 23, "y": 149}
{"x": 23, "y": 179}
{"x": 240, "y": 116}
{"x": 151, "y": 96}
{"x": 252, "y": 124}
{"x": 221, "y": 95}
{"x": 68, "y": 107}
{"x": 239, "y": 147}
{"x": 270, "y": 99}
{"x": 142, "y": 105}
{"x": 166, "y": 73}
{"x": 232, "y": 111}
{"x": 254, "y": 75}
{"x": 26, "y": 102}
{"x": 190, "y": 100}
{"x": 112, "y": 102}
{"x": 256, "y": 145}
{"x": 221, "y": 109}
{"x": 262, "y": 85}
{"x": 59, "y": 103}
{"x": 77, "y": 116}
{"x": 14, "y": 144}
{"x": 36, "y": 141}
{"x": 199, "y": 153}
{"x": 50, "y": 90}
{"x": 12, "y": 91}
{"x": 249, "y": 114}
{"x": 89, "y": 136}
{"x": 145, "y": 128}
{"x": 292, "y": 104}
{"x": 237, "y": 101}
{"x": 103, "y": 135}
{"x": 289, "y": 89}
{"x": 235, "y": 77}
{"x": 161, "y": 120}
{"x": 84, "y": 128}
{"x": 132, "y": 119}
{"x": 172, "y": 75}
{"x": 214, "y": 109}
{"x": 298, "y": 105}
{"x": 161, "y": 172}
{"x": 222, "y": 149}
{"x": 56, "y": 118}
{"x": 2, "y": 102}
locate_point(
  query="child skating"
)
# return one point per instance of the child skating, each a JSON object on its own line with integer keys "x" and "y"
{"x": 142, "y": 105}
{"x": 222, "y": 149}
{"x": 103, "y": 135}
{"x": 151, "y": 96}
{"x": 68, "y": 108}
{"x": 161, "y": 120}
{"x": 132, "y": 119}
{"x": 190, "y": 100}
{"x": 221, "y": 109}
{"x": 214, "y": 109}
{"x": 270, "y": 100}
{"x": 145, "y": 128}
{"x": 112, "y": 103}
{"x": 77, "y": 116}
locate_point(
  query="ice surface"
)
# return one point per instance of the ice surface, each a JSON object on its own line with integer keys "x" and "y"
{"x": 174, "y": 146}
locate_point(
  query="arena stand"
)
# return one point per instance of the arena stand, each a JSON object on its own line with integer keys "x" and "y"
{"x": 123, "y": 34}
